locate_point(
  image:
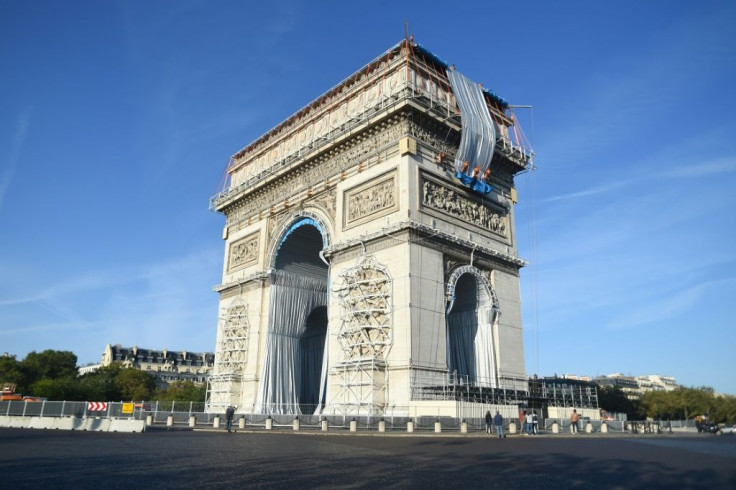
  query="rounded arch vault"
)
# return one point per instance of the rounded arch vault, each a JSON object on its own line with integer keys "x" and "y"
{"x": 472, "y": 308}
{"x": 293, "y": 371}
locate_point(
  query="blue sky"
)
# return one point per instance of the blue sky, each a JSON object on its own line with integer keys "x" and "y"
{"x": 117, "y": 118}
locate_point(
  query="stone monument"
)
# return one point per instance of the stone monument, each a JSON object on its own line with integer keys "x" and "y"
{"x": 370, "y": 248}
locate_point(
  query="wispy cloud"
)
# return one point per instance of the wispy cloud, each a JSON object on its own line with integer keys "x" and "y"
{"x": 658, "y": 310}
{"x": 166, "y": 304}
{"x": 654, "y": 169}
{"x": 704, "y": 169}
{"x": 592, "y": 191}
{"x": 21, "y": 132}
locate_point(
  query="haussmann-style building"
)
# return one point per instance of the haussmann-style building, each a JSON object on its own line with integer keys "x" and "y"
{"x": 371, "y": 258}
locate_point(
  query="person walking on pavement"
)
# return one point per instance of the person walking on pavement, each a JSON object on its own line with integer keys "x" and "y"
{"x": 229, "y": 417}
{"x": 488, "y": 422}
{"x": 498, "y": 422}
{"x": 529, "y": 423}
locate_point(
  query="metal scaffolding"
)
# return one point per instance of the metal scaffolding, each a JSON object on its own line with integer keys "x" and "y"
{"x": 365, "y": 338}
{"x": 230, "y": 356}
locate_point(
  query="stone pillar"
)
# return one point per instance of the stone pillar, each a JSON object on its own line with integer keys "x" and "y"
{"x": 192, "y": 421}
{"x": 149, "y": 419}
{"x": 588, "y": 428}
{"x": 604, "y": 428}
{"x": 325, "y": 425}
{"x": 555, "y": 428}
{"x": 512, "y": 428}
{"x": 241, "y": 422}
{"x": 353, "y": 425}
{"x": 295, "y": 424}
{"x": 269, "y": 423}
{"x": 216, "y": 422}
{"x": 463, "y": 427}
{"x": 438, "y": 426}
{"x": 381, "y": 425}
{"x": 170, "y": 421}
{"x": 410, "y": 426}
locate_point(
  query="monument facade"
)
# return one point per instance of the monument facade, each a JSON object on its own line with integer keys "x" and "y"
{"x": 370, "y": 248}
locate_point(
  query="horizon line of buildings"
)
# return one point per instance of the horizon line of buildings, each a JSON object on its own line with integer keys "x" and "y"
{"x": 169, "y": 366}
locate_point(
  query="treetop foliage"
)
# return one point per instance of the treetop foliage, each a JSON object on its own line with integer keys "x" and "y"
{"x": 55, "y": 375}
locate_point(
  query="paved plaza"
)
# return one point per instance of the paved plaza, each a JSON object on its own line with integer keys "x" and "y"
{"x": 216, "y": 459}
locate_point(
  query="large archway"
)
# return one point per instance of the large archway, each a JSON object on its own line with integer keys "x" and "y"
{"x": 292, "y": 371}
{"x": 471, "y": 311}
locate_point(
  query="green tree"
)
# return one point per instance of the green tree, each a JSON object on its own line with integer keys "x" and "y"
{"x": 135, "y": 384}
{"x": 11, "y": 371}
{"x": 58, "y": 389}
{"x": 183, "y": 391}
{"x": 100, "y": 385}
{"x": 613, "y": 399}
{"x": 49, "y": 364}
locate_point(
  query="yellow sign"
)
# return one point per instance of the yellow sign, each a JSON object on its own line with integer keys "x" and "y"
{"x": 127, "y": 408}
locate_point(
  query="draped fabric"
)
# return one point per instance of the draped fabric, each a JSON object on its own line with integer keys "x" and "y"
{"x": 478, "y": 133}
{"x": 311, "y": 353}
{"x": 462, "y": 328}
{"x": 470, "y": 354}
{"x": 287, "y": 353}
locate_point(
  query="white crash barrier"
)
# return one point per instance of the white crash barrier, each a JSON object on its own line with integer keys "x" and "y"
{"x": 127, "y": 425}
{"x": 72, "y": 423}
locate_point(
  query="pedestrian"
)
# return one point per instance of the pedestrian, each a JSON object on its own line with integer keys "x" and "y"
{"x": 535, "y": 423}
{"x": 488, "y": 422}
{"x": 529, "y": 423}
{"x": 229, "y": 417}
{"x": 574, "y": 421}
{"x": 522, "y": 421}
{"x": 498, "y": 421}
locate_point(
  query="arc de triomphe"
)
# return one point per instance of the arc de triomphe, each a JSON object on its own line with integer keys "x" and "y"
{"x": 370, "y": 247}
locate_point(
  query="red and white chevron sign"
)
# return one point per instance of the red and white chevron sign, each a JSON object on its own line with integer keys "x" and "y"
{"x": 96, "y": 406}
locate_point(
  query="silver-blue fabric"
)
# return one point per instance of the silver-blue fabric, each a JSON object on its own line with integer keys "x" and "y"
{"x": 478, "y": 134}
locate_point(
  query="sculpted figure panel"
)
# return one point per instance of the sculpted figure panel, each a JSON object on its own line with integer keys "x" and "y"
{"x": 450, "y": 202}
{"x": 243, "y": 252}
{"x": 371, "y": 200}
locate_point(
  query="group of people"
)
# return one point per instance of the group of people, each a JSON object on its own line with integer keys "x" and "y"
{"x": 497, "y": 421}
{"x": 530, "y": 422}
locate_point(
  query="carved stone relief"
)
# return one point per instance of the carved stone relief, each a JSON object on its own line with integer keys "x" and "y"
{"x": 371, "y": 200}
{"x": 293, "y": 139}
{"x": 243, "y": 252}
{"x": 450, "y": 202}
{"x": 320, "y": 174}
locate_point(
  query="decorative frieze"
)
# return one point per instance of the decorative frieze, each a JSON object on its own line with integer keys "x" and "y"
{"x": 318, "y": 175}
{"x": 462, "y": 207}
{"x": 320, "y": 126}
{"x": 371, "y": 200}
{"x": 243, "y": 252}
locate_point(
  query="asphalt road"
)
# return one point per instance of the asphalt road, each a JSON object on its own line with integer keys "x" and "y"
{"x": 186, "y": 459}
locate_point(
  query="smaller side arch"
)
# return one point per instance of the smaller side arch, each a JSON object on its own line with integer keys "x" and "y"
{"x": 486, "y": 293}
{"x": 470, "y": 324}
